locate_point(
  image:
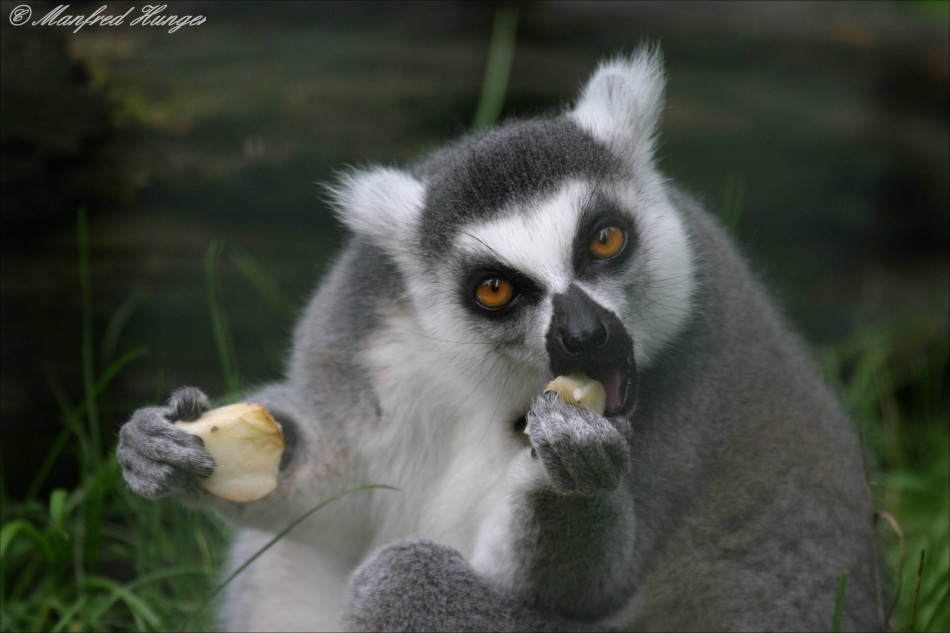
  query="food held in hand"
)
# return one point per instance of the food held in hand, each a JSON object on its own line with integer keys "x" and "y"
{"x": 246, "y": 443}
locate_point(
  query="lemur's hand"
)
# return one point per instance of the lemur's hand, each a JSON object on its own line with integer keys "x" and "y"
{"x": 156, "y": 457}
{"x": 580, "y": 450}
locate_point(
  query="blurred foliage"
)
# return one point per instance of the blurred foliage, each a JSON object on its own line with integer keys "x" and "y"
{"x": 936, "y": 10}
{"x": 896, "y": 381}
{"x": 96, "y": 557}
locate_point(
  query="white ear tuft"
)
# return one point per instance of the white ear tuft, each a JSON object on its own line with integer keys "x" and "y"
{"x": 621, "y": 103}
{"x": 381, "y": 203}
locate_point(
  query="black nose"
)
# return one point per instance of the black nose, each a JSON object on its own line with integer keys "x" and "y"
{"x": 580, "y": 328}
{"x": 582, "y": 332}
{"x": 586, "y": 337}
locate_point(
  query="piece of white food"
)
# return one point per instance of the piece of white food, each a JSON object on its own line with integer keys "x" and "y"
{"x": 580, "y": 390}
{"x": 246, "y": 443}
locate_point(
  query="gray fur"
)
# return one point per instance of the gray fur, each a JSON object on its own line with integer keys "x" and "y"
{"x": 731, "y": 498}
{"x": 158, "y": 458}
{"x": 480, "y": 177}
{"x": 446, "y": 593}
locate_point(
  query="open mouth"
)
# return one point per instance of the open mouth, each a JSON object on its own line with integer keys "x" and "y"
{"x": 619, "y": 378}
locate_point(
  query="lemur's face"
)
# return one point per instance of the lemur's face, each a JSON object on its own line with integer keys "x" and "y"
{"x": 549, "y": 246}
{"x": 547, "y": 283}
{"x": 529, "y": 254}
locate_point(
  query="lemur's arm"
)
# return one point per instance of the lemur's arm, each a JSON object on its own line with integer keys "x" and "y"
{"x": 159, "y": 459}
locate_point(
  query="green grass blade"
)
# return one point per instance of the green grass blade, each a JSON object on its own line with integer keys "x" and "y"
{"x": 110, "y": 338}
{"x": 115, "y": 367}
{"x": 12, "y": 530}
{"x": 219, "y": 320}
{"x": 117, "y": 591}
{"x": 733, "y": 204}
{"x": 142, "y": 581}
{"x": 88, "y": 358}
{"x": 916, "y": 603}
{"x": 67, "y": 617}
{"x": 72, "y": 416}
{"x": 57, "y": 510}
{"x": 839, "y": 602}
{"x": 941, "y": 604}
{"x": 500, "y": 55}
{"x": 52, "y": 455}
{"x": 263, "y": 282}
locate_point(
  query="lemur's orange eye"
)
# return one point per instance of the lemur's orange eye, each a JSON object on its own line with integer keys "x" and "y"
{"x": 494, "y": 293}
{"x": 608, "y": 242}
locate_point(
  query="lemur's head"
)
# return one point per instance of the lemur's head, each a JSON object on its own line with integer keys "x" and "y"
{"x": 550, "y": 241}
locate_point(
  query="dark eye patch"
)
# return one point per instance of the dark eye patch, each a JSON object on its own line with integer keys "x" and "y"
{"x": 600, "y": 214}
{"x": 526, "y": 290}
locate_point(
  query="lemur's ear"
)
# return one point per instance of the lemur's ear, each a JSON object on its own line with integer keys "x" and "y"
{"x": 621, "y": 103}
{"x": 381, "y": 203}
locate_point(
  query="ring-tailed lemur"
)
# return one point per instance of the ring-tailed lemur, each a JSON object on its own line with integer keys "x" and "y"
{"x": 721, "y": 489}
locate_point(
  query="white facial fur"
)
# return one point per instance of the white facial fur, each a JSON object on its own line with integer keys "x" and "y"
{"x": 652, "y": 296}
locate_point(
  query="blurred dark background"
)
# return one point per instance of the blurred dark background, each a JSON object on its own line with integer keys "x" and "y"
{"x": 819, "y": 130}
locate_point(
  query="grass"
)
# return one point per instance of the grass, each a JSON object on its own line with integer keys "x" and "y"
{"x": 894, "y": 379}
{"x": 501, "y": 51}
{"x": 98, "y": 558}
{"x": 219, "y": 321}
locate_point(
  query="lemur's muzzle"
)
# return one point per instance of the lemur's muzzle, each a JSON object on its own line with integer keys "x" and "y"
{"x": 586, "y": 337}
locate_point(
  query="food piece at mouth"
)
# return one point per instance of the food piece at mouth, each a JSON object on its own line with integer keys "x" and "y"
{"x": 617, "y": 380}
{"x": 580, "y": 390}
{"x": 246, "y": 444}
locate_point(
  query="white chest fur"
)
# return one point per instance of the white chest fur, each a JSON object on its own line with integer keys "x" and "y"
{"x": 446, "y": 439}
